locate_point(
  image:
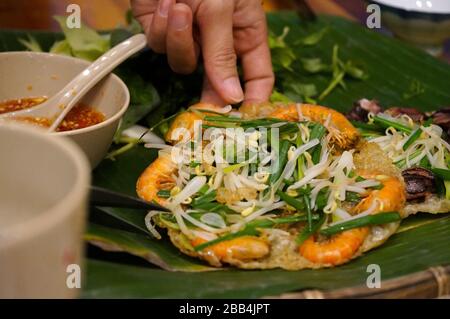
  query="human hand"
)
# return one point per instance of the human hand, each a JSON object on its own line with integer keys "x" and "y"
{"x": 222, "y": 31}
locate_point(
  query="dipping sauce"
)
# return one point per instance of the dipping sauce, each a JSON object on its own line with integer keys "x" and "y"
{"x": 81, "y": 116}
{"x": 20, "y": 104}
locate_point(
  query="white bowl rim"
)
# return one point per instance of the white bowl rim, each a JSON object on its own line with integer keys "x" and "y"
{"x": 105, "y": 123}
{"x": 64, "y": 206}
{"x": 412, "y": 6}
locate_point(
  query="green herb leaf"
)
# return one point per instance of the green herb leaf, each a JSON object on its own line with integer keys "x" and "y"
{"x": 282, "y": 54}
{"x": 61, "y": 47}
{"x": 84, "y": 42}
{"x": 315, "y": 65}
{"x": 279, "y": 97}
{"x": 31, "y": 44}
{"x": 314, "y": 38}
{"x": 354, "y": 71}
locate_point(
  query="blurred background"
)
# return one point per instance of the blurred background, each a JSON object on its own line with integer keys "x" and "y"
{"x": 107, "y": 14}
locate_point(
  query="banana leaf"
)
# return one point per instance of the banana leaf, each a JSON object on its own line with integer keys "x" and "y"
{"x": 403, "y": 254}
{"x": 393, "y": 70}
{"x": 160, "y": 253}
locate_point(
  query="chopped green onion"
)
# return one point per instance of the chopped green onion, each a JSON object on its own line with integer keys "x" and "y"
{"x": 368, "y": 135}
{"x": 300, "y": 160}
{"x": 231, "y": 168}
{"x": 318, "y": 131}
{"x": 402, "y": 163}
{"x": 352, "y": 197}
{"x": 425, "y": 163}
{"x": 428, "y": 122}
{"x": 223, "y": 125}
{"x": 163, "y": 194}
{"x": 322, "y": 199}
{"x": 306, "y": 233}
{"x": 442, "y": 173}
{"x": 206, "y": 202}
{"x": 194, "y": 164}
{"x": 223, "y": 119}
{"x": 205, "y": 197}
{"x": 412, "y": 138}
{"x": 378, "y": 219}
{"x": 248, "y": 231}
{"x": 386, "y": 123}
{"x": 169, "y": 221}
{"x": 447, "y": 189}
{"x": 366, "y": 126}
{"x": 297, "y": 204}
{"x": 204, "y": 189}
{"x": 308, "y": 211}
{"x": 267, "y": 223}
{"x": 281, "y": 162}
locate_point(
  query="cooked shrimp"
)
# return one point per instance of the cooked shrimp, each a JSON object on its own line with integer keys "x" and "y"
{"x": 342, "y": 247}
{"x": 158, "y": 176}
{"x": 335, "y": 251}
{"x": 187, "y": 120}
{"x": 392, "y": 197}
{"x": 344, "y": 134}
{"x": 242, "y": 248}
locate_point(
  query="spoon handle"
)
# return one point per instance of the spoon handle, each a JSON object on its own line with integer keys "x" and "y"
{"x": 101, "y": 67}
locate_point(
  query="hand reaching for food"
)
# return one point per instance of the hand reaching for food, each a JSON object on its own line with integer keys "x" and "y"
{"x": 222, "y": 31}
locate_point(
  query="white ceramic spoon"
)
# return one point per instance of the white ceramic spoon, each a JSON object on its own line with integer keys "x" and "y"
{"x": 62, "y": 102}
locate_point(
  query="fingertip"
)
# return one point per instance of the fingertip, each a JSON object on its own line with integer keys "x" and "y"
{"x": 232, "y": 90}
{"x": 259, "y": 90}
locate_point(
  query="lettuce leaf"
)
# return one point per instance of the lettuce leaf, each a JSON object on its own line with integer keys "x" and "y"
{"x": 85, "y": 43}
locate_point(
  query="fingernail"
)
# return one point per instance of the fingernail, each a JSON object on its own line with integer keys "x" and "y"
{"x": 179, "y": 21}
{"x": 233, "y": 90}
{"x": 164, "y": 7}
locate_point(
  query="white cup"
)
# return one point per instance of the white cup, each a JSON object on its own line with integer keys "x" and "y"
{"x": 44, "y": 183}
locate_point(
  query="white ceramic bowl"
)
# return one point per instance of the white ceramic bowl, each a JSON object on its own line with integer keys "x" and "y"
{"x": 425, "y": 23}
{"x": 44, "y": 183}
{"x": 29, "y": 74}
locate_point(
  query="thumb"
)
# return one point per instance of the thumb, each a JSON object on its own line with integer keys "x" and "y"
{"x": 215, "y": 21}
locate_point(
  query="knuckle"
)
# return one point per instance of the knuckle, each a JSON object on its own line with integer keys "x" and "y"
{"x": 208, "y": 9}
{"x": 224, "y": 58}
